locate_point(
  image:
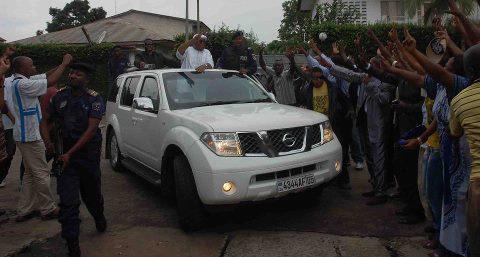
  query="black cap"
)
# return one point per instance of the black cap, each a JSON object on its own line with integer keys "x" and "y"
{"x": 237, "y": 33}
{"x": 81, "y": 66}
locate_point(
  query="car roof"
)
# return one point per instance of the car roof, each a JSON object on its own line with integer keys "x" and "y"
{"x": 162, "y": 71}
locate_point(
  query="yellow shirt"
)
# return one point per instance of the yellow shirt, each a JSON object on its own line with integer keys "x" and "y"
{"x": 320, "y": 99}
{"x": 465, "y": 111}
{"x": 434, "y": 140}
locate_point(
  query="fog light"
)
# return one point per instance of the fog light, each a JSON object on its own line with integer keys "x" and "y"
{"x": 338, "y": 166}
{"x": 229, "y": 188}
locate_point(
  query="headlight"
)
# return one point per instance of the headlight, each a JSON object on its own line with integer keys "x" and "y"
{"x": 327, "y": 132}
{"x": 223, "y": 144}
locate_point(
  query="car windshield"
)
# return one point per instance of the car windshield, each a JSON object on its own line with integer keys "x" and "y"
{"x": 191, "y": 89}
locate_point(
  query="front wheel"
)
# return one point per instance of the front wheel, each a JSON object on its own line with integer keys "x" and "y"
{"x": 115, "y": 154}
{"x": 191, "y": 212}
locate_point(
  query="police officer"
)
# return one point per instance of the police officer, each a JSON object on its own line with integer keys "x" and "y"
{"x": 238, "y": 56}
{"x": 78, "y": 110}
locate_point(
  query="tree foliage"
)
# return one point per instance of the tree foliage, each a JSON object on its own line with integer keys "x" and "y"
{"x": 47, "y": 56}
{"x": 75, "y": 13}
{"x": 435, "y": 7}
{"x": 337, "y": 12}
{"x": 297, "y": 24}
{"x": 221, "y": 38}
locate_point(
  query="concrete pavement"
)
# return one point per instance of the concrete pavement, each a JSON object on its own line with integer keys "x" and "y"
{"x": 141, "y": 223}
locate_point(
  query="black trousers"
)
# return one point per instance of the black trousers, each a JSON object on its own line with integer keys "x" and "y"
{"x": 343, "y": 131}
{"x": 80, "y": 177}
{"x": 406, "y": 171}
{"x": 11, "y": 148}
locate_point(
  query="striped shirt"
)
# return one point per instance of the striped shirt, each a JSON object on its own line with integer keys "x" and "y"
{"x": 283, "y": 87}
{"x": 465, "y": 111}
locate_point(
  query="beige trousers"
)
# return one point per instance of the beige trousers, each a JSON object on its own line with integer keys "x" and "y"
{"x": 35, "y": 193}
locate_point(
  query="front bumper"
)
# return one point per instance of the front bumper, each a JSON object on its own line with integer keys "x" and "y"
{"x": 211, "y": 172}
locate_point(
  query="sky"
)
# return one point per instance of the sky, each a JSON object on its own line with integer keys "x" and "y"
{"x": 25, "y": 17}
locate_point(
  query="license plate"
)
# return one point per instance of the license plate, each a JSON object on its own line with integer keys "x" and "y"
{"x": 295, "y": 183}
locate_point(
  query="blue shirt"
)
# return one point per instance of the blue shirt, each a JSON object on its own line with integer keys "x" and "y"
{"x": 73, "y": 112}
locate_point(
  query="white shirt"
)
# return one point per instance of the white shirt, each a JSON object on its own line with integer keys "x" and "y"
{"x": 192, "y": 58}
{"x": 26, "y": 107}
{"x": 7, "y": 95}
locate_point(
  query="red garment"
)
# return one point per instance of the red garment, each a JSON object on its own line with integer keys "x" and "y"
{"x": 45, "y": 100}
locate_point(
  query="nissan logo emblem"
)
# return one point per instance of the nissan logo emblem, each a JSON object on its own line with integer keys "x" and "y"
{"x": 288, "y": 140}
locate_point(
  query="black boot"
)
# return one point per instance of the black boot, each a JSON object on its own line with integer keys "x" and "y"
{"x": 101, "y": 224}
{"x": 73, "y": 248}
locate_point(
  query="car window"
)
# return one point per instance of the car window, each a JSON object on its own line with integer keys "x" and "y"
{"x": 150, "y": 90}
{"x": 128, "y": 92}
{"x": 190, "y": 89}
{"x": 112, "y": 96}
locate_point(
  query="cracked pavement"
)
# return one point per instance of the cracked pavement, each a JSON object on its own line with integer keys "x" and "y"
{"x": 141, "y": 223}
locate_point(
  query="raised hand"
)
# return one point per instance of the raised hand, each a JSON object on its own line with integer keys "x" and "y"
{"x": 4, "y": 65}
{"x": 335, "y": 50}
{"x": 393, "y": 34}
{"x": 454, "y": 8}
{"x": 358, "y": 41}
{"x": 385, "y": 64}
{"x": 262, "y": 48}
{"x": 9, "y": 51}
{"x": 410, "y": 44}
{"x": 443, "y": 34}
{"x": 302, "y": 50}
{"x": 312, "y": 44}
{"x": 67, "y": 59}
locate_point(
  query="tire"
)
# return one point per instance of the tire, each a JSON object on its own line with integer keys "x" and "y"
{"x": 191, "y": 212}
{"x": 115, "y": 157}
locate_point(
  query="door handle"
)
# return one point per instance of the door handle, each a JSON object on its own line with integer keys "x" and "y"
{"x": 136, "y": 119}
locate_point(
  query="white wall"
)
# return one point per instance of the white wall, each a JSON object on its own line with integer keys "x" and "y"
{"x": 374, "y": 11}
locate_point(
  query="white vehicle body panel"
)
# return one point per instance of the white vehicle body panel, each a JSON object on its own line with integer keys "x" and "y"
{"x": 144, "y": 137}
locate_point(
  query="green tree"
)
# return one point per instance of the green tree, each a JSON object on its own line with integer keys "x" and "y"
{"x": 337, "y": 12}
{"x": 435, "y": 7}
{"x": 221, "y": 38}
{"x": 295, "y": 24}
{"x": 75, "y": 13}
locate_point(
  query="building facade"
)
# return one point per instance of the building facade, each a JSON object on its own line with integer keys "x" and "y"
{"x": 375, "y": 11}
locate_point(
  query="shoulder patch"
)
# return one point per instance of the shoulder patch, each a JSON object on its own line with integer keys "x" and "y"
{"x": 92, "y": 92}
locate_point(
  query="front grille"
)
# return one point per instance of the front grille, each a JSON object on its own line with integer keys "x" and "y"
{"x": 279, "y": 142}
{"x": 285, "y": 173}
{"x": 250, "y": 143}
{"x": 277, "y": 136}
{"x": 316, "y": 134}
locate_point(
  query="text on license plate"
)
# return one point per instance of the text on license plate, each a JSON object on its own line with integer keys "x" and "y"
{"x": 295, "y": 183}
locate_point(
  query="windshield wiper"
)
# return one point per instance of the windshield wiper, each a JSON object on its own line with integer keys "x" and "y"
{"x": 264, "y": 100}
{"x": 220, "y": 103}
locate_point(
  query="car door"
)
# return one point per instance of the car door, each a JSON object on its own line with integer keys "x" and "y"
{"x": 148, "y": 126}
{"x": 125, "y": 112}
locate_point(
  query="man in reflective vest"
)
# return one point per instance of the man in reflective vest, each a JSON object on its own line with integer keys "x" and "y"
{"x": 27, "y": 87}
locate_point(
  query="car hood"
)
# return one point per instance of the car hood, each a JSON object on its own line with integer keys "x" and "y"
{"x": 252, "y": 116}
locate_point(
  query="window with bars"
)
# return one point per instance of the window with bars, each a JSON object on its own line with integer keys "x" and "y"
{"x": 361, "y": 7}
{"x": 392, "y": 11}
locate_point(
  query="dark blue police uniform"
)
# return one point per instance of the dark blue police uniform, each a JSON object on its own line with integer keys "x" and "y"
{"x": 83, "y": 173}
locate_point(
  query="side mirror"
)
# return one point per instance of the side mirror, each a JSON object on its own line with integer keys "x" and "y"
{"x": 144, "y": 104}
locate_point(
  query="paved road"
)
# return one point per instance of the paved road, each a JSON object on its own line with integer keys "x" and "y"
{"x": 141, "y": 223}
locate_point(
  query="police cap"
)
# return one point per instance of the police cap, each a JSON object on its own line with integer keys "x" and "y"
{"x": 81, "y": 66}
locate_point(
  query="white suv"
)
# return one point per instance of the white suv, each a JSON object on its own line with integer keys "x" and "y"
{"x": 215, "y": 138}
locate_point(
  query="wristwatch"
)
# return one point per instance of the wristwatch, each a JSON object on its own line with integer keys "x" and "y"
{"x": 419, "y": 139}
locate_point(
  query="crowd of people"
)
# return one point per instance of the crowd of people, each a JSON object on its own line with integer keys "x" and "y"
{"x": 414, "y": 119}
